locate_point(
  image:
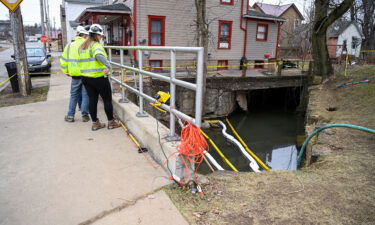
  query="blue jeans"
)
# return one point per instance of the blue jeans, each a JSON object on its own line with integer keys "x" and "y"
{"x": 76, "y": 90}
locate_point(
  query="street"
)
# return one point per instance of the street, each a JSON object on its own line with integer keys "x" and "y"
{"x": 5, "y": 58}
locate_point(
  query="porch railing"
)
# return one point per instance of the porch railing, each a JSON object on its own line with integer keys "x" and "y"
{"x": 171, "y": 108}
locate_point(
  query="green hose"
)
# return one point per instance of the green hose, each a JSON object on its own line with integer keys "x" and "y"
{"x": 325, "y": 127}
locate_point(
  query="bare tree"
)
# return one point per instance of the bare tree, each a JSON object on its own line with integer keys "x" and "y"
{"x": 368, "y": 23}
{"x": 202, "y": 29}
{"x": 325, "y": 15}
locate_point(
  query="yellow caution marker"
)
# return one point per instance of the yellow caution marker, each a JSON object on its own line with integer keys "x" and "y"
{"x": 140, "y": 149}
{"x": 219, "y": 152}
{"x": 263, "y": 165}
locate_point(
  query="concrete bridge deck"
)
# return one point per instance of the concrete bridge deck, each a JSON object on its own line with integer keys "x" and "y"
{"x": 59, "y": 173}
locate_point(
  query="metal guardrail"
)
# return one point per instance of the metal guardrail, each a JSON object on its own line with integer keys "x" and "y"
{"x": 171, "y": 108}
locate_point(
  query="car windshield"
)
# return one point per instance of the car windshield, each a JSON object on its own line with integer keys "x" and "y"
{"x": 35, "y": 52}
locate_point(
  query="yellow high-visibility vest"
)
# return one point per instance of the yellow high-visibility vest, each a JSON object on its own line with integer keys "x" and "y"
{"x": 70, "y": 60}
{"x": 92, "y": 68}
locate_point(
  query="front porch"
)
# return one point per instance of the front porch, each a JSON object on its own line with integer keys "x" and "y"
{"x": 115, "y": 19}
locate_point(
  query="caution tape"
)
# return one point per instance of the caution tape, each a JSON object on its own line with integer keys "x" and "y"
{"x": 19, "y": 74}
{"x": 194, "y": 67}
{"x": 6, "y": 80}
{"x": 367, "y": 51}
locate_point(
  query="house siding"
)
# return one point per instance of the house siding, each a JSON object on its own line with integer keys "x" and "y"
{"x": 72, "y": 10}
{"x": 287, "y": 29}
{"x": 255, "y": 50}
{"x": 180, "y": 27}
{"x": 290, "y": 15}
{"x": 350, "y": 32}
{"x": 180, "y": 30}
{"x": 228, "y": 13}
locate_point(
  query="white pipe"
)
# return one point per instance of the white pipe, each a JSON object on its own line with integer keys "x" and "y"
{"x": 253, "y": 164}
{"x": 213, "y": 161}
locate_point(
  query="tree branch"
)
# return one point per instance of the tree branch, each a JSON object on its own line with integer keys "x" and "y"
{"x": 337, "y": 13}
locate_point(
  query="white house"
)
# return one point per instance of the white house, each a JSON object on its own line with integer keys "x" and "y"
{"x": 344, "y": 34}
{"x": 73, "y": 8}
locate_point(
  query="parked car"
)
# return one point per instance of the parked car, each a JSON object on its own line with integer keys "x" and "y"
{"x": 289, "y": 65}
{"x": 38, "y": 60}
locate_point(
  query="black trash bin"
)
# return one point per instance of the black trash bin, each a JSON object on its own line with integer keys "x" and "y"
{"x": 12, "y": 69}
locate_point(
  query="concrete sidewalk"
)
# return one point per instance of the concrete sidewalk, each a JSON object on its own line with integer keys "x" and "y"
{"x": 59, "y": 173}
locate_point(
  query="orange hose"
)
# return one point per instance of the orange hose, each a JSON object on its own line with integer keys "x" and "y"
{"x": 192, "y": 147}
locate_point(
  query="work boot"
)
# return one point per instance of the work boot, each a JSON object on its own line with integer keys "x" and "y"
{"x": 97, "y": 125}
{"x": 69, "y": 119}
{"x": 85, "y": 118}
{"x": 112, "y": 124}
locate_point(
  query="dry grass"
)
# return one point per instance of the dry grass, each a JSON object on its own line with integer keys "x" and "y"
{"x": 11, "y": 99}
{"x": 339, "y": 188}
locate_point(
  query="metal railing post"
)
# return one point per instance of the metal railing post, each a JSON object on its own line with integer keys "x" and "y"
{"x": 199, "y": 91}
{"x": 172, "y": 117}
{"x": 141, "y": 112}
{"x": 123, "y": 99}
{"x": 110, "y": 71}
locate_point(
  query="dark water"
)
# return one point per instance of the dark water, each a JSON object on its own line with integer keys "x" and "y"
{"x": 270, "y": 132}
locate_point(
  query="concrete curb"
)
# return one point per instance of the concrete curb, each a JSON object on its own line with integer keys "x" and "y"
{"x": 146, "y": 132}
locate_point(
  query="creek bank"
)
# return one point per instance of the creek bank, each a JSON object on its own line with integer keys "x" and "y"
{"x": 337, "y": 188}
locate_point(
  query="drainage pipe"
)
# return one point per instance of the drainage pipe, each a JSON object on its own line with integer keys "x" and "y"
{"x": 263, "y": 165}
{"x": 219, "y": 152}
{"x": 326, "y": 127}
{"x": 253, "y": 164}
{"x": 213, "y": 161}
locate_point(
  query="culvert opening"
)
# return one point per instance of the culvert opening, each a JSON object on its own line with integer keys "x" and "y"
{"x": 272, "y": 127}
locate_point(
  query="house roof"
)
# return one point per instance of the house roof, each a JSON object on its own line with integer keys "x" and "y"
{"x": 339, "y": 27}
{"x": 252, "y": 14}
{"x": 4, "y": 21}
{"x": 277, "y": 10}
{"x": 118, "y": 8}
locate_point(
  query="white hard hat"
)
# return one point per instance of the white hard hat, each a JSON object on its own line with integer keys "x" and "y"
{"x": 82, "y": 30}
{"x": 96, "y": 29}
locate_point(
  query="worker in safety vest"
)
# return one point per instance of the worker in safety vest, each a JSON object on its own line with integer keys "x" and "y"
{"x": 94, "y": 70}
{"x": 70, "y": 65}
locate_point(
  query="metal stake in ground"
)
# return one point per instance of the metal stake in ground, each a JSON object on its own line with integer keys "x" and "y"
{"x": 20, "y": 52}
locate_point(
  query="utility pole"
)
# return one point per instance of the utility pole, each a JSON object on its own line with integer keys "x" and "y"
{"x": 54, "y": 27}
{"x": 48, "y": 24}
{"x": 20, "y": 51}
{"x": 42, "y": 20}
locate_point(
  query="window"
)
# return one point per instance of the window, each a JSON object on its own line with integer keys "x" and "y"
{"x": 226, "y": 2}
{"x": 156, "y": 64}
{"x": 222, "y": 64}
{"x": 355, "y": 42}
{"x": 296, "y": 23}
{"x": 262, "y": 32}
{"x": 225, "y": 34}
{"x": 156, "y": 30}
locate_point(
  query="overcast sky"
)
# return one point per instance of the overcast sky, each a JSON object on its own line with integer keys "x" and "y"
{"x": 31, "y": 10}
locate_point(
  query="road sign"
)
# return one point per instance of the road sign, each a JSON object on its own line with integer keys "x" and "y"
{"x": 44, "y": 38}
{"x": 11, "y": 4}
